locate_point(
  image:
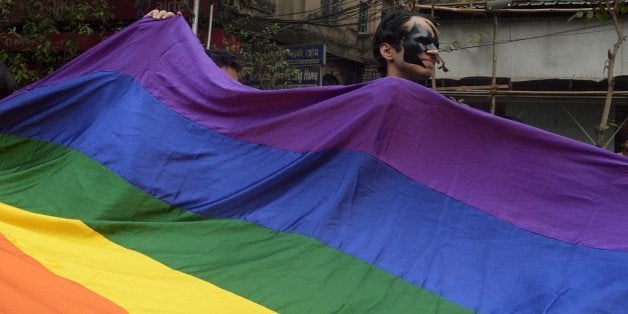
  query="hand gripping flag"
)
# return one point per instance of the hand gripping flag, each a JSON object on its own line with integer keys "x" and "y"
{"x": 140, "y": 178}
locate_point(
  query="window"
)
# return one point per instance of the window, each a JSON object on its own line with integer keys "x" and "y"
{"x": 387, "y": 6}
{"x": 330, "y": 10}
{"x": 362, "y": 19}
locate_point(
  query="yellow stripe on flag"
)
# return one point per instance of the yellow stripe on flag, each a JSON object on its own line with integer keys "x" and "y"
{"x": 134, "y": 281}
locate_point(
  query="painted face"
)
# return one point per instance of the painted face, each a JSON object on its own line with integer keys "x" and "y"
{"x": 418, "y": 39}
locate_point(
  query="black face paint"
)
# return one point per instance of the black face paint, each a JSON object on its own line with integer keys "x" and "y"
{"x": 415, "y": 41}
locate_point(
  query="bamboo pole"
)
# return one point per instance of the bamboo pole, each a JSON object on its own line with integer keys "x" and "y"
{"x": 434, "y": 75}
{"x": 616, "y": 131}
{"x": 494, "y": 74}
{"x": 539, "y": 93}
{"x": 475, "y": 87}
{"x": 578, "y": 124}
{"x": 475, "y": 11}
{"x": 195, "y": 21}
{"x": 610, "y": 67}
{"x": 209, "y": 31}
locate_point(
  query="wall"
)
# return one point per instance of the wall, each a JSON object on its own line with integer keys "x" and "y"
{"x": 343, "y": 41}
{"x": 557, "y": 118}
{"x": 568, "y": 54}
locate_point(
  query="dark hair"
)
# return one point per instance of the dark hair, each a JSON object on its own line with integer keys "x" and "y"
{"x": 224, "y": 58}
{"x": 7, "y": 84}
{"x": 390, "y": 31}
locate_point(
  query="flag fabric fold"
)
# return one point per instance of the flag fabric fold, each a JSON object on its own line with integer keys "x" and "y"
{"x": 376, "y": 197}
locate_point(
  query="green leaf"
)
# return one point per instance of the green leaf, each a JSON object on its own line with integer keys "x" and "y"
{"x": 38, "y": 21}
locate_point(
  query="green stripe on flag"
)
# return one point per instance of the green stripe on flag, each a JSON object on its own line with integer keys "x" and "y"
{"x": 282, "y": 271}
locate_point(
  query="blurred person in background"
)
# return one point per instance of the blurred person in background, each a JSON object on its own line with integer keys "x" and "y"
{"x": 624, "y": 147}
{"x": 7, "y": 84}
{"x": 225, "y": 61}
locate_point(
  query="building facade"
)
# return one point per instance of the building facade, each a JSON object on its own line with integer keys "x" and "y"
{"x": 549, "y": 73}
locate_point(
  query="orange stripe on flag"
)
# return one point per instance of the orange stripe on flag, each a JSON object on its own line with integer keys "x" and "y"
{"x": 26, "y": 286}
{"x": 131, "y": 280}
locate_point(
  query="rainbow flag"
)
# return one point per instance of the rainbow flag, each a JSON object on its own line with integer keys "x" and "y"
{"x": 140, "y": 178}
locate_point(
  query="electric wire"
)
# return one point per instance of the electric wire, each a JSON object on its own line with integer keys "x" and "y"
{"x": 564, "y": 33}
{"x": 353, "y": 11}
{"x": 319, "y": 9}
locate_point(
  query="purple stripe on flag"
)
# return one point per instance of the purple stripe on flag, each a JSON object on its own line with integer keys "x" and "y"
{"x": 533, "y": 179}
